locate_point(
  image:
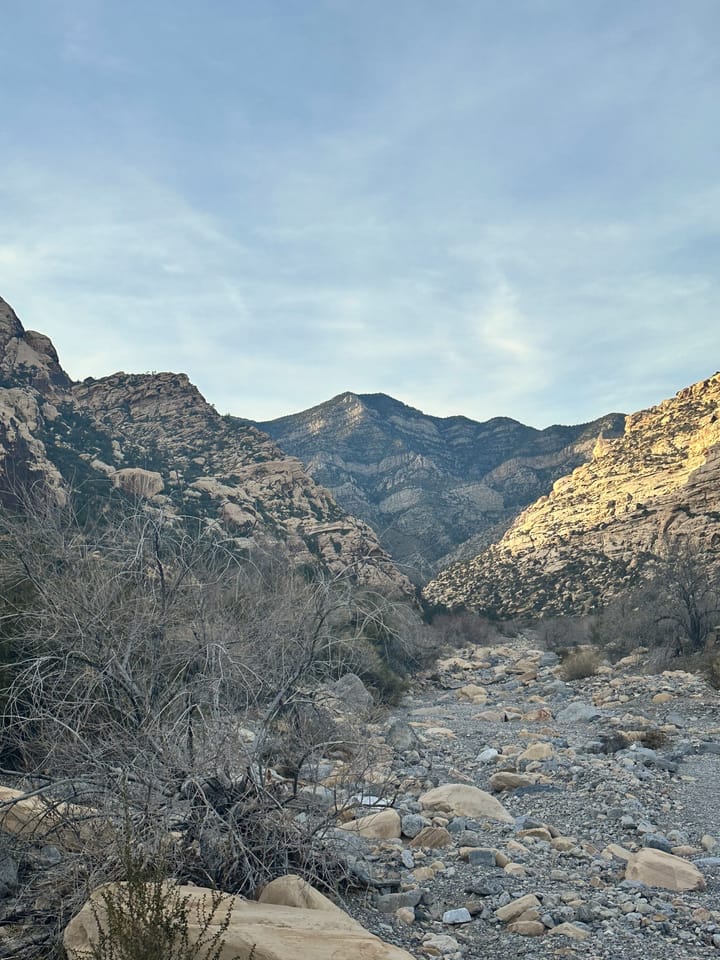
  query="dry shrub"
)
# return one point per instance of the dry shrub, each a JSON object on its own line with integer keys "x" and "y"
{"x": 654, "y": 738}
{"x": 463, "y": 629}
{"x": 712, "y": 670}
{"x": 580, "y": 663}
{"x": 561, "y": 634}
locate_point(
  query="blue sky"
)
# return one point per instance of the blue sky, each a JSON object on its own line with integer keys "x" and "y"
{"x": 498, "y": 207}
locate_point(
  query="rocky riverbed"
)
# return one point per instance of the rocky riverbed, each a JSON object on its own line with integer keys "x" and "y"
{"x": 609, "y": 848}
{"x": 506, "y": 812}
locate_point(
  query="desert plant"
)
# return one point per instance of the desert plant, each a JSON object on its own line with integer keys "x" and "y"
{"x": 147, "y": 918}
{"x": 712, "y": 669}
{"x": 683, "y": 590}
{"x": 580, "y": 663}
{"x": 654, "y": 738}
{"x": 561, "y": 634}
{"x": 155, "y": 665}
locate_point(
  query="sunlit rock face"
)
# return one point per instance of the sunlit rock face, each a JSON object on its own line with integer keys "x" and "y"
{"x": 434, "y": 489}
{"x": 156, "y": 438}
{"x": 589, "y": 537}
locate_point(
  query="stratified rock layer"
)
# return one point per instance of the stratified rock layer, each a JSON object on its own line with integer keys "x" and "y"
{"x": 657, "y": 485}
{"x": 433, "y": 488}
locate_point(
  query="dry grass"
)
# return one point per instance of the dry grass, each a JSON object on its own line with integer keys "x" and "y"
{"x": 580, "y": 663}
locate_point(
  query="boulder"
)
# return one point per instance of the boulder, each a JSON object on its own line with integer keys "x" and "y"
{"x": 385, "y": 825}
{"x": 352, "y": 693}
{"x": 293, "y": 891}
{"x": 516, "y": 908}
{"x": 658, "y": 869}
{"x": 138, "y": 482}
{"x": 506, "y": 780}
{"x": 261, "y": 931}
{"x": 41, "y": 819}
{"x": 433, "y": 838}
{"x": 462, "y": 800}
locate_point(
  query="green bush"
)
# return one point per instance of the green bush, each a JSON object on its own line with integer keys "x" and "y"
{"x": 146, "y": 918}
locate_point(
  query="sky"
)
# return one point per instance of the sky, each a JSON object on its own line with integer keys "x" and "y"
{"x": 479, "y": 207}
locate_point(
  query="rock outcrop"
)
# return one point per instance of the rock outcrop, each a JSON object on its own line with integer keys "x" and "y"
{"x": 433, "y": 488}
{"x": 308, "y": 926}
{"x": 156, "y": 438}
{"x": 657, "y": 485}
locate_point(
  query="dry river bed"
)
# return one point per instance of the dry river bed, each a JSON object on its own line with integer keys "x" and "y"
{"x": 606, "y": 843}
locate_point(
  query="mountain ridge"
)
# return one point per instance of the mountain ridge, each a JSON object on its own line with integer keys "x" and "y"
{"x": 155, "y": 437}
{"x": 430, "y": 486}
{"x": 599, "y": 526}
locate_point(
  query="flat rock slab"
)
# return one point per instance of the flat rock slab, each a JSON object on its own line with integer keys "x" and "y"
{"x": 261, "y": 931}
{"x": 462, "y": 800}
{"x": 658, "y": 869}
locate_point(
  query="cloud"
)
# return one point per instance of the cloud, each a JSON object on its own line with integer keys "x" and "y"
{"x": 488, "y": 210}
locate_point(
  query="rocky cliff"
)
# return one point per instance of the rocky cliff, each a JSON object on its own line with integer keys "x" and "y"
{"x": 433, "y": 488}
{"x": 657, "y": 484}
{"x": 156, "y": 438}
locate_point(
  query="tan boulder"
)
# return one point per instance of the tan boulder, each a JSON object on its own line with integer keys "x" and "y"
{"x": 516, "y": 908}
{"x": 569, "y": 930}
{"x": 472, "y": 692}
{"x": 261, "y": 931}
{"x": 527, "y": 928}
{"x": 138, "y": 482}
{"x": 432, "y": 837}
{"x": 385, "y": 825}
{"x": 463, "y": 800}
{"x": 658, "y": 869}
{"x": 68, "y": 825}
{"x": 505, "y": 780}
{"x": 537, "y": 751}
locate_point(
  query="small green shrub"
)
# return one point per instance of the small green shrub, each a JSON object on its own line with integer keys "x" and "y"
{"x": 146, "y": 918}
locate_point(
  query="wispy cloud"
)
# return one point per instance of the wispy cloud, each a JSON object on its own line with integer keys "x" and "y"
{"x": 481, "y": 209}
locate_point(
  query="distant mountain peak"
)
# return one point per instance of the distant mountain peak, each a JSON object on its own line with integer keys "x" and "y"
{"x": 427, "y": 484}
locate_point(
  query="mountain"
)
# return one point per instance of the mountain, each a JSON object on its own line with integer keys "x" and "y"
{"x": 657, "y": 485}
{"x": 433, "y": 488}
{"x": 155, "y": 437}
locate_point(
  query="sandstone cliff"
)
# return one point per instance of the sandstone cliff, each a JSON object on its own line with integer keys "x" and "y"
{"x": 590, "y": 537}
{"x": 155, "y": 437}
{"x": 433, "y": 488}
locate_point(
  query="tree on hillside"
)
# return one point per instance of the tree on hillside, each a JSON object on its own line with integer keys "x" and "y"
{"x": 686, "y": 595}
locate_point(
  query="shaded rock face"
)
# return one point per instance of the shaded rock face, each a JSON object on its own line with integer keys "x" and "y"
{"x": 27, "y": 358}
{"x": 434, "y": 489}
{"x": 155, "y": 437}
{"x": 590, "y": 537}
